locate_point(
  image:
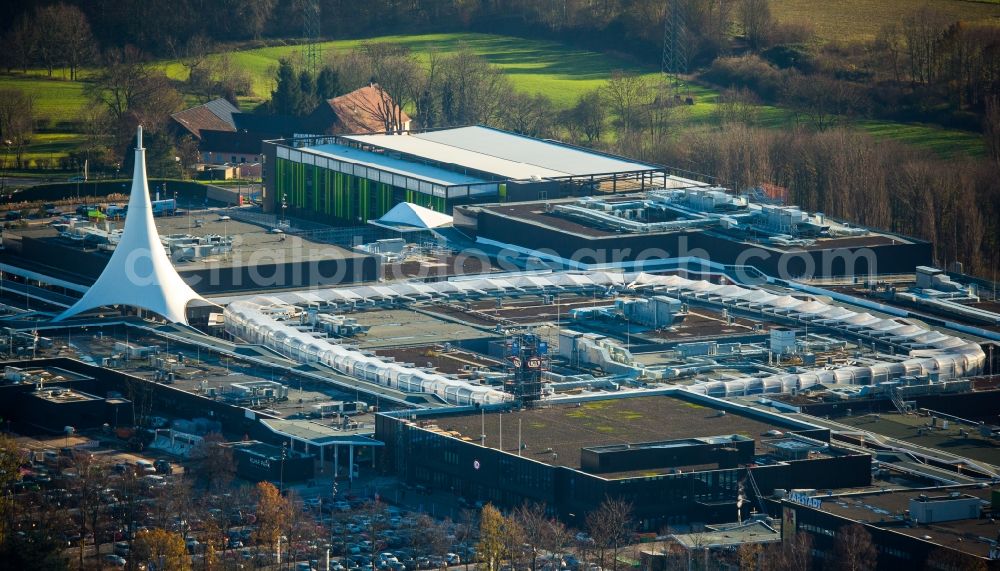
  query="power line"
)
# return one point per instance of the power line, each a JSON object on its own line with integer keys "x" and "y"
{"x": 310, "y": 31}
{"x": 675, "y": 40}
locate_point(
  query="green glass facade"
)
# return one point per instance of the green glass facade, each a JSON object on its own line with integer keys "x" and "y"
{"x": 329, "y": 196}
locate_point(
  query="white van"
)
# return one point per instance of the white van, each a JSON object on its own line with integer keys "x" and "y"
{"x": 145, "y": 467}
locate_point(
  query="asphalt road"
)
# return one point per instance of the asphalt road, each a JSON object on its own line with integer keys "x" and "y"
{"x": 8, "y": 183}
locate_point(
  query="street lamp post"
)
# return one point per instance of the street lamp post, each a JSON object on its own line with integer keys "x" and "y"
{"x": 281, "y": 480}
{"x": 3, "y": 172}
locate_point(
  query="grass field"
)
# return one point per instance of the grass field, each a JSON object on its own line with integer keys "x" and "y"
{"x": 837, "y": 20}
{"x": 52, "y": 146}
{"x": 54, "y": 98}
{"x": 945, "y": 142}
{"x": 561, "y": 72}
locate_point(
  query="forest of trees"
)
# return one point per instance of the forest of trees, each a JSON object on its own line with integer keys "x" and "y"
{"x": 922, "y": 67}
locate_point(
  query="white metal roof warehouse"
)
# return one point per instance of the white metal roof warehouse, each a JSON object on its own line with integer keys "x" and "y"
{"x": 504, "y": 154}
{"x": 394, "y": 165}
{"x": 347, "y": 179}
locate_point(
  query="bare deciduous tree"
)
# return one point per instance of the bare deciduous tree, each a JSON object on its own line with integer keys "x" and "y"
{"x": 610, "y": 525}
{"x": 991, "y": 128}
{"x": 92, "y": 477}
{"x": 626, "y": 93}
{"x": 854, "y": 550}
{"x": 430, "y": 535}
{"x": 212, "y": 463}
{"x": 542, "y": 533}
{"x": 16, "y": 122}
{"x": 738, "y": 106}
{"x": 472, "y": 90}
{"x": 587, "y": 117}
{"x": 943, "y": 559}
{"x": 256, "y": 13}
{"x": 19, "y": 45}
{"x": 748, "y": 556}
{"x": 133, "y": 91}
{"x": 757, "y": 22}
{"x": 466, "y": 530}
{"x": 531, "y": 115}
{"x": 11, "y": 459}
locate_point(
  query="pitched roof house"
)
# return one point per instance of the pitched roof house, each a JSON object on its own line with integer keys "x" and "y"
{"x": 216, "y": 115}
{"x": 227, "y": 135}
{"x": 369, "y": 109}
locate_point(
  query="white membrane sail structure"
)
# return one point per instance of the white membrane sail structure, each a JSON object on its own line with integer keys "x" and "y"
{"x": 139, "y": 273}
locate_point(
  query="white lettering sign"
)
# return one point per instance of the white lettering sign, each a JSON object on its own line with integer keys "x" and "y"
{"x": 804, "y": 500}
{"x": 262, "y": 462}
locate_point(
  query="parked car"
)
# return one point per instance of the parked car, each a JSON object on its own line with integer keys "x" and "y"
{"x": 163, "y": 467}
{"x": 145, "y": 467}
{"x": 112, "y": 559}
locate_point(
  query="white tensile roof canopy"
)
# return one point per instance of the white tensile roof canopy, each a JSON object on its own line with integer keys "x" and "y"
{"x": 139, "y": 273}
{"x": 409, "y": 217}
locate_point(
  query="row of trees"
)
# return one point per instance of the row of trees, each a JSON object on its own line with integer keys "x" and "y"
{"x": 463, "y": 89}
{"x": 458, "y": 89}
{"x": 516, "y": 539}
{"x": 519, "y": 538}
{"x": 633, "y": 25}
{"x": 849, "y": 174}
{"x": 51, "y": 36}
{"x": 107, "y": 505}
{"x": 158, "y": 521}
{"x": 298, "y": 93}
{"x": 927, "y": 51}
{"x": 924, "y": 68}
{"x": 150, "y": 26}
{"x": 126, "y": 90}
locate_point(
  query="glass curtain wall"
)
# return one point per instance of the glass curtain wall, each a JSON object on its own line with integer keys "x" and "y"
{"x": 320, "y": 194}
